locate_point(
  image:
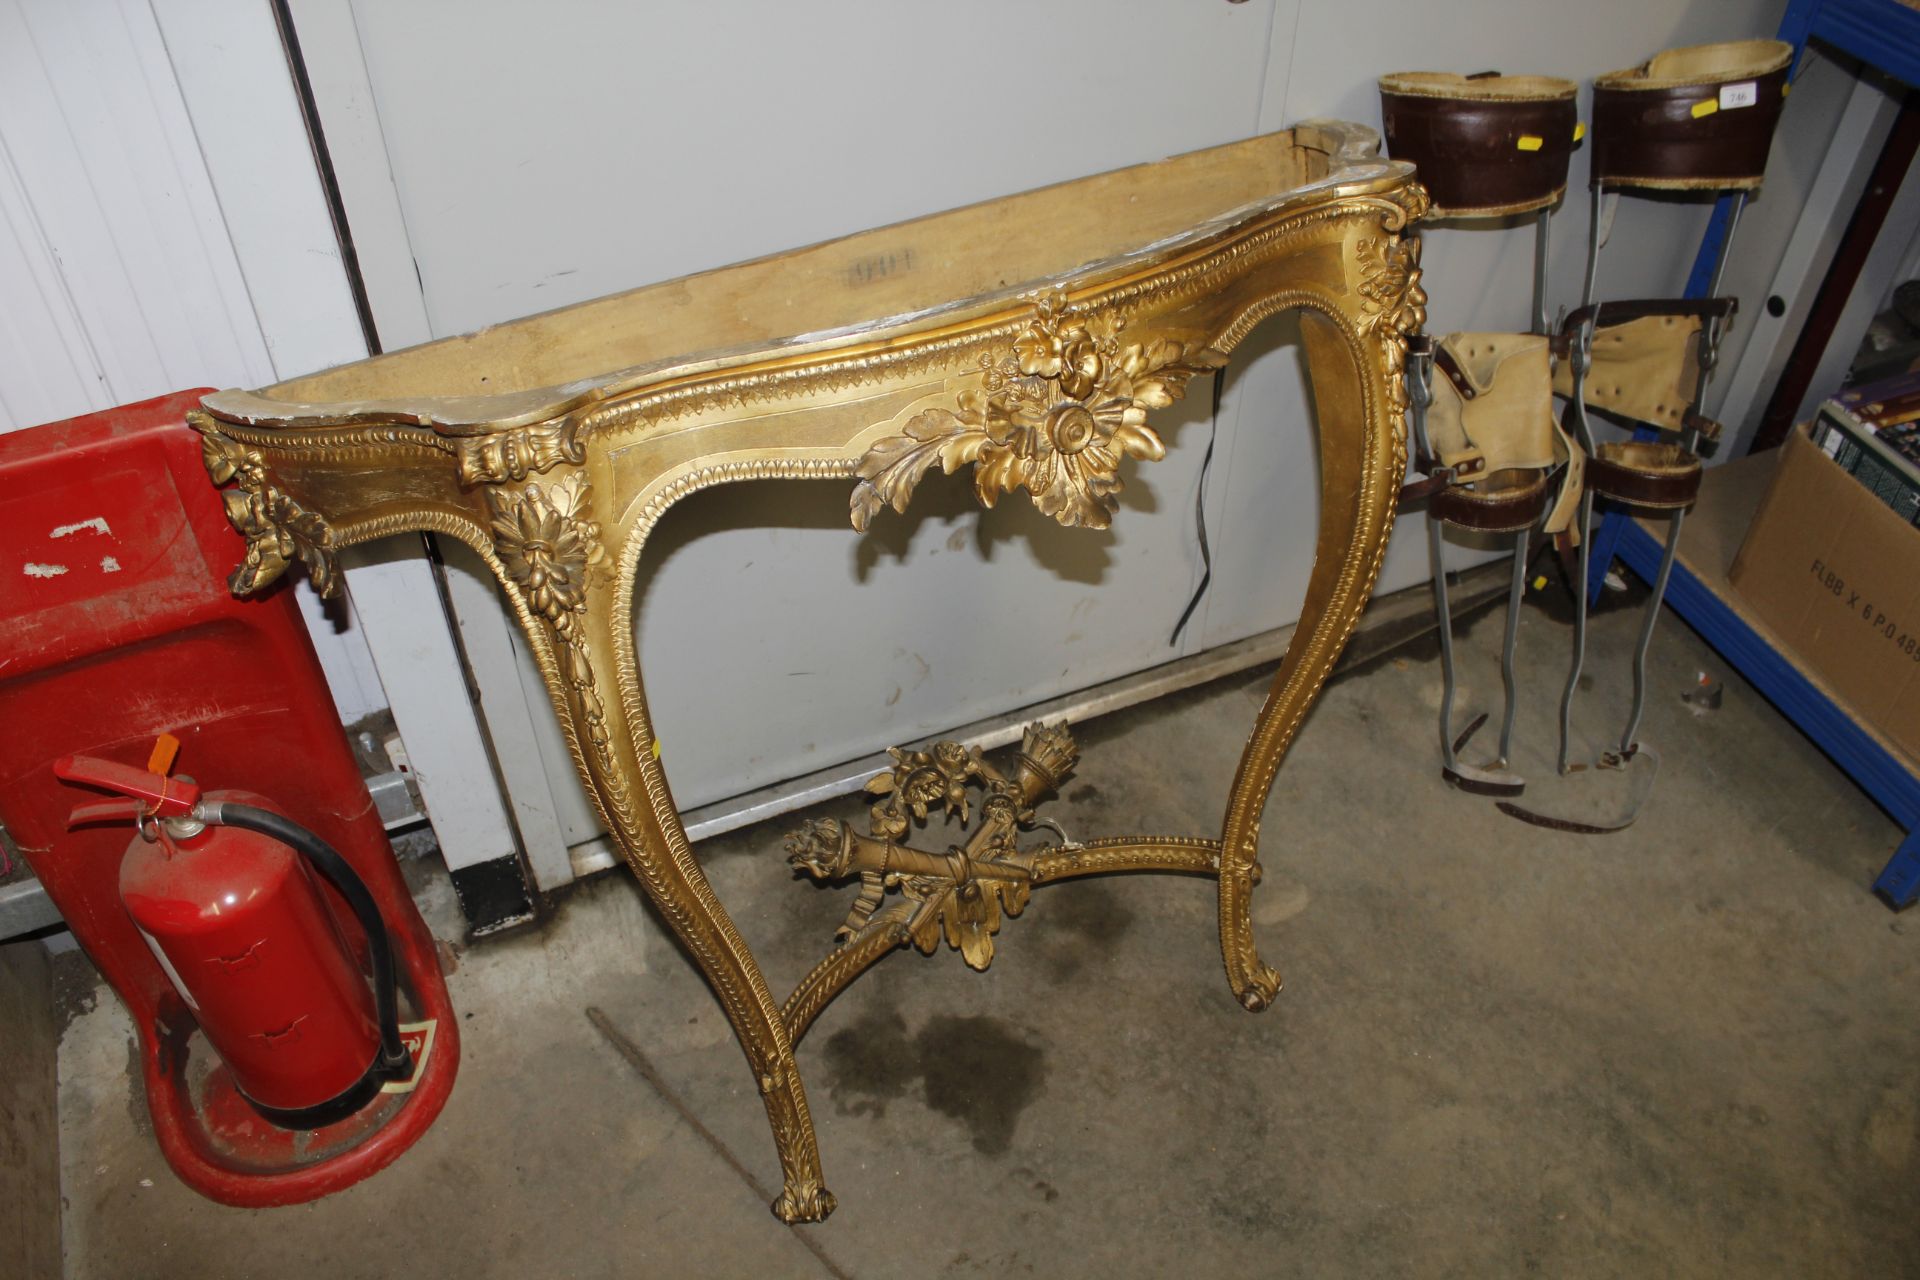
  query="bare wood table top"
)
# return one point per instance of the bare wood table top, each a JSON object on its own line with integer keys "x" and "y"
{"x": 1027, "y": 338}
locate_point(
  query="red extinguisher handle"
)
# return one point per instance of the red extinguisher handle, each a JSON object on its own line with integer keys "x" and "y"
{"x": 105, "y": 811}
{"x": 162, "y": 797}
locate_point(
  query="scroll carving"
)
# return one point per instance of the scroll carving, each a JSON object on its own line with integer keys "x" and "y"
{"x": 278, "y": 529}
{"x": 518, "y": 453}
{"x": 1054, "y": 416}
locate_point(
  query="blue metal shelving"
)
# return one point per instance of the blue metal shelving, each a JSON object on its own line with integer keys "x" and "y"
{"x": 1884, "y": 34}
{"x": 1878, "y": 771}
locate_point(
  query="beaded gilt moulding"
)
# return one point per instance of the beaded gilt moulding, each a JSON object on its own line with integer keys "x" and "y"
{"x": 1026, "y": 341}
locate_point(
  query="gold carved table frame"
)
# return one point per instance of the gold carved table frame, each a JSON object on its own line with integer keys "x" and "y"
{"x": 1028, "y": 338}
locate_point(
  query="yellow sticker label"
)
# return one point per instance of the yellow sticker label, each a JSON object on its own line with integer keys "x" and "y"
{"x": 1705, "y": 107}
{"x": 1579, "y": 130}
{"x": 1527, "y": 142}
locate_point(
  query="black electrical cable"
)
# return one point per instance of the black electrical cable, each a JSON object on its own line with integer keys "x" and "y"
{"x": 1200, "y": 518}
{"x": 395, "y": 1061}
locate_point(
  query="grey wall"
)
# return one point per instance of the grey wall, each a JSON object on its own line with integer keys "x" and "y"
{"x": 543, "y": 156}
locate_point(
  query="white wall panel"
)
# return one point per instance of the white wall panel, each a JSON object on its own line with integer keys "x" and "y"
{"x": 549, "y": 154}
{"x": 668, "y": 139}
{"x": 541, "y": 157}
{"x": 391, "y": 628}
{"x": 117, "y": 259}
{"x": 99, "y": 141}
{"x": 246, "y": 117}
{"x": 47, "y": 366}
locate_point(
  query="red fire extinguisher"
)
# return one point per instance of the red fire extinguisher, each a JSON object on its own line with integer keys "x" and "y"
{"x": 225, "y": 896}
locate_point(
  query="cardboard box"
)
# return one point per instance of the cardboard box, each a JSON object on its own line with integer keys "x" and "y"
{"x": 1836, "y": 575}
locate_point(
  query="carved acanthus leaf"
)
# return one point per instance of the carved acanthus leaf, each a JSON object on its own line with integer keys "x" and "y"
{"x": 893, "y": 466}
{"x": 1055, "y": 416}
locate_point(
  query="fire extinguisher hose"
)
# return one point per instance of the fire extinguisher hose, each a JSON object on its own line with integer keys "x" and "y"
{"x": 395, "y": 1062}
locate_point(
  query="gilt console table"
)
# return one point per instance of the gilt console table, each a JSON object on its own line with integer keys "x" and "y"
{"x": 1027, "y": 338}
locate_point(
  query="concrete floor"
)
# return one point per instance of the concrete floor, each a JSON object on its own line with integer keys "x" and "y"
{"x": 1687, "y": 1049}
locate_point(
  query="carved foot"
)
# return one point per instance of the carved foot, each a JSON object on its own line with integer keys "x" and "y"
{"x": 804, "y": 1201}
{"x": 1262, "y": 986}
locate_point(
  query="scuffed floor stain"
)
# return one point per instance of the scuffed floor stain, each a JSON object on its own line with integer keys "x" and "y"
{"x": 1085, "y": 921}
{"x": 979, "y": 1070}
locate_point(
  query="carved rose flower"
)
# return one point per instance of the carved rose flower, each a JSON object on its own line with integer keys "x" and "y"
{"x": 1065, "y": 352}
{"x": 1070, "y": 428}
{"x": 547, "y": 544}
{"x": 1054, "y": 417}
{"x": 918, "y": 780}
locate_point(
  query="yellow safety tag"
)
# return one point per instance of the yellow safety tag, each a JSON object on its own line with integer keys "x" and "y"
{"x": 1527, "y": 142}
{"x": 1705, "y": 107}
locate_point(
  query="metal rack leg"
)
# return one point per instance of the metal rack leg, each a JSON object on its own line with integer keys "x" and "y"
{"x": 1899, "y": 882}
{"x": 1579, "y": 632}
{"x": 1647, "y": 622}
{"x": 1444, "y": 610}
{"x": 1516, "y": 591}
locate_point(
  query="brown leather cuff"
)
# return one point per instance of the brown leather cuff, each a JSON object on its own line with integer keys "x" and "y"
{"x": 1485, "y": 146}
{"x": 1642, "y": 473}
{"x": 1505, "y": 502}
{"x": 1443, "y": 361}
{"x": 1606, "y": 313}
{"x": 1707, "y": 427}
{"x": 1667, "y": 124}
{"x": 1414, "y": 492}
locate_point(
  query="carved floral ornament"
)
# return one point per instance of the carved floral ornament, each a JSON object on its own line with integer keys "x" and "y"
{"x": 1392, "y": 300}
{"x": 1054, "y": 416}
{"x": 278, "y": 530}
{"x": 547, "y": 543}
{"x": 1390, "y": 283}
{"x": 963, "y": 894}
{"x": 548, "y": 548}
